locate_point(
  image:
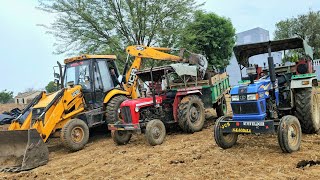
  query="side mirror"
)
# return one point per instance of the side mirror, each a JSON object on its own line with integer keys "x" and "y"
{"x": 120, "y": 78}
{"x": 56, "y": 82}
{"x": 56, "y": 75}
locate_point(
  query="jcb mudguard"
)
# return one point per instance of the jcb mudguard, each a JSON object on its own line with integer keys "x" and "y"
{"x": 22, "y": 150}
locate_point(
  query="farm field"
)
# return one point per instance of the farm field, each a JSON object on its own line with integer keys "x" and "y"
{"x": 181, "y": 156}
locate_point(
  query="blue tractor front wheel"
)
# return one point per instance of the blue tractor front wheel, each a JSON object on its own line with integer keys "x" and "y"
{"x": 224, "y": 140}
{"x": 289, "y": 134}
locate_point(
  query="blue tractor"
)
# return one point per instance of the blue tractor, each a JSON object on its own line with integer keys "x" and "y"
{"x": 278, "y": 99}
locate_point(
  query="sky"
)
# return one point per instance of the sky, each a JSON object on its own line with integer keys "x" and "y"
{"x": 26, "y": 50}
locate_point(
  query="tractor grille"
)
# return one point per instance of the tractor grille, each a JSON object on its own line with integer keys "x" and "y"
{"x": 126, "y": 114}
{"x": 245, "y": 108}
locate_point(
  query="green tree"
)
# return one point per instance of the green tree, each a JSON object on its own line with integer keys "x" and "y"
{"x": 108, "y": 26}
{"x": 51, "y": 87}
{"x": 306, "y": 26}
{"x": 211, "y": 35}
{"x": 6, "y": 96}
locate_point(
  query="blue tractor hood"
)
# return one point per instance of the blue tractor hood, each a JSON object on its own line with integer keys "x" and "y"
{"x": 260, "y": 85}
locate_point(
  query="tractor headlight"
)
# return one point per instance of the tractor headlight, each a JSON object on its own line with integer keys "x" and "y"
{"x": 136, "y": 109}
{"x": 235, "y": 98}
{"x": 251, "y": 97}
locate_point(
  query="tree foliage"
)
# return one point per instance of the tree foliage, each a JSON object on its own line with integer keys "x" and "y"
{"x": 108, "y": 26}
{"x": 51, "y": 87}
{"x": 6, "y": 96}
{"x": 211, "y": 35}
{"x": 306, "y": 26}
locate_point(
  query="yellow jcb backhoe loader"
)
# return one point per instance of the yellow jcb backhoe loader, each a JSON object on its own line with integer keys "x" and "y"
{"x": 90, "y": 95}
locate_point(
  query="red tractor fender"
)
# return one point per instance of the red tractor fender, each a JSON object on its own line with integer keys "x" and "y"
{"x": 178, "y": 97}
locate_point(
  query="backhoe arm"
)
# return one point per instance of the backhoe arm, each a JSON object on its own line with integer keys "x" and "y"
{"x": 139, "y": 52}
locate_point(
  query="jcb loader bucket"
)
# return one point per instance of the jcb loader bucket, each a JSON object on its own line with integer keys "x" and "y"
{"x": 22, "y": 150}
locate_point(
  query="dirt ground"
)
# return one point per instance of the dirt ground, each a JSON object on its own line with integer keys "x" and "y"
{"x": 181, "y": 156}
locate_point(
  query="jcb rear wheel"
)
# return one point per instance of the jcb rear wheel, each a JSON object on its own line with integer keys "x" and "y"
{"x": 223, "y": 140}
{"x": 112, "y": 109}
{"x": 121, "y": 137}
{"x": 191, "y": 114}
{"x": 155, "y": 132}
{"x": 75, "y": 134}
{"x": 289, "y": 134}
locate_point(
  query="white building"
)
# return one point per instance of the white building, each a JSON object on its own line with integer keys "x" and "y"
{"x": 26, "y": 97}
{"x": 251, "y": 36}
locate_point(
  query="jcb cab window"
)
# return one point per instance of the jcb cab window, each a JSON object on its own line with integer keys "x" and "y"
{"x": 78, "y": 74}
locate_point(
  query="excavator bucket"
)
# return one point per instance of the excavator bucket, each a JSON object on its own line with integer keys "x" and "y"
{"x": 22, "y": 150}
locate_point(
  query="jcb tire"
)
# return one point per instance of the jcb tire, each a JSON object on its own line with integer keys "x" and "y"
{"x": 155, "y": 132}
{"x": 221, "y": 109}
{"x": 224, "y": 141}
{"x": 307, "y": 109}
{"x": 121, "y": 137}
{"x": 191, "y": 115}
{"x": 112, "y": 114}
{"x": 75, "y": 134}
{"x": 289, "y": 134}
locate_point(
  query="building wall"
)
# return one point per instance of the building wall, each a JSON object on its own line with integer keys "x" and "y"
{"x": 26, "y": 99}
{"x": 251, "y": 36}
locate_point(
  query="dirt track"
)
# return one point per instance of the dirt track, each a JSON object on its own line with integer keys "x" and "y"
{"x": 182, "y": 156}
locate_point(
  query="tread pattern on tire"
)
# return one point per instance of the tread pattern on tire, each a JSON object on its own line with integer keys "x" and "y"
{"x": 283, "y": 136}
{"x": 183, "y": 111}
{"x": 303, "y": 111}
{"x": 112, "y": 108}
{"x": 217, "y": 135}
{"x": 120, "y": 140}
{"x": 66, "y": 134}
{"x": 219, "y": 109}
{"x": 149, "y": 138}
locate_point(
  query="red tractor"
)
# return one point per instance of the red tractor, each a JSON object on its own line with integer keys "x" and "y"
{"x": 182, "y": 101}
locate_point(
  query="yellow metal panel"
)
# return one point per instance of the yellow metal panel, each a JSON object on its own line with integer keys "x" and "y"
{"x": 113, "y": 93}
{"x": 88, "y": 56}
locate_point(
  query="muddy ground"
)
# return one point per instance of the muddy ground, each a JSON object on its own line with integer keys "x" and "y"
{"x": 181, "y": 156}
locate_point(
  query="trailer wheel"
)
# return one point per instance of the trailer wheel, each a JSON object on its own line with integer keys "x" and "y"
{"x": 191, "y": 114}
{"x": 155, "y": 132}
{"x": 221, "y": 109}
{"x": 121, "y": 137}
{"x": 289, "y": 134}
{"x": 112, "y": 107}
{"x": 224, "y": 140}
{"x": 75, "y": 134}
{"x": 307, "y": 109}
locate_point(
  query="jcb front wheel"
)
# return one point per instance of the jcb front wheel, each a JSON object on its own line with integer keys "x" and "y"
{"x": 223, "y": 140}
{"x": 75, "y": 134}
{"x": 121, "y": 137}
{"x": 289, "y": 134}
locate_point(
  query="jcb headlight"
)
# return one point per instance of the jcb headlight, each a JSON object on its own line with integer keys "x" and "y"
{"x": 235, "y": 98}
{"x": 251, "y": 97}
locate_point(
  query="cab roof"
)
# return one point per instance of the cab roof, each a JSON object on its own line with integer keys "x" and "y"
{"x": 88, "y": 56}
{"x": 245, "y": 51}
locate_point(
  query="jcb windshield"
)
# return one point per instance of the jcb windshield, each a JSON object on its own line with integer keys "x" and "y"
{"x": 78, "y": 74}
